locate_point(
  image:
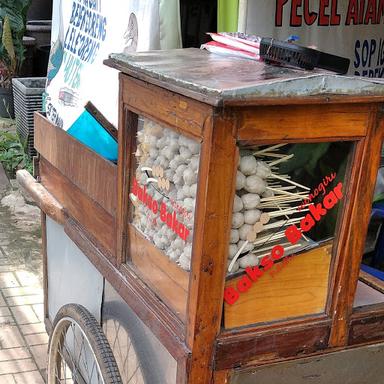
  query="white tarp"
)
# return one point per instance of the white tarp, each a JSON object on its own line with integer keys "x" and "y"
{"x": 349, "y": 28}
{"x": 84, "y": 32}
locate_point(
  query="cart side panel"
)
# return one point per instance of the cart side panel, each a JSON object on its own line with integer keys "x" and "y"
{"x": 133, "y": 344}
{"x": 340, "y": 367}
{"x": 71, "y": 276}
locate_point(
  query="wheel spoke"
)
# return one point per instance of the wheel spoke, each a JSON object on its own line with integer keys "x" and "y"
{"x": 79, "y": 352}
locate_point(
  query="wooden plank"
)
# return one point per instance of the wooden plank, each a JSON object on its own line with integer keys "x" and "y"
{"x": 221, "y": 377}
{"x": 45, "y": 262}
{"x": 372, "y": 281}
{"x": 92, "y": 174}
{"x": 300, "y": 288}
{"x": 86, "y": 211}
{"x": 162, "y": 322}
{"x": 183, "y": 114}
{"x": 351, "y": 240}
{"x": 127, "y": 134}
{"x": 309, "y": 122}
{"x": 161, "y": 274}
{"x": 217, "y": 174}
{"x": 274, "y": 345}
{"x": 46, "y": 202}
{"x": 325, "y": 98}
{"x": 183, "y": 366}
{"x": 367, "y": 325}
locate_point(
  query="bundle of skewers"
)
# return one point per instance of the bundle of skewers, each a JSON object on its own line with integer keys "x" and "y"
{"x": 265, "y": 204}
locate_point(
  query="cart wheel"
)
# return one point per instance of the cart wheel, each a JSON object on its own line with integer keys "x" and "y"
{"x": 134, "y": 355}
{"x": 79, "y": 352}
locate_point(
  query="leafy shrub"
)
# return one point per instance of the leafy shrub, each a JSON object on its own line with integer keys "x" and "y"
{"x": 12, "y": 154}
{"x": 13, "y": 18}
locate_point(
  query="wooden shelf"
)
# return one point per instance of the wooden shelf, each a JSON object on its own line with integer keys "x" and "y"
{"x": 164, "y": 277}
{"x": 300, "y": 288}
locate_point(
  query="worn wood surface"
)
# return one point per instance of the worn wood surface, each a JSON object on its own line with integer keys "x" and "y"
{"x": 183, "y": 114}
{"x": 358, "y": 195}
{"x": 80, "y": 206}
{"x": 367, "y": 325}
{"x": 101, "y": 119}
{"x": 273, "y": 344}
{"x": 183, "y": 366}
{"x": 309, "y": 122}
{"x": 168, "y": 280}
{"x": 221, "y": 377}
{"x": 162, "y": 322}
{"x": 216, "y": 188}
{"x": 127, "y": 135}
{"x": 372, "y": 281}
{"x": 300, "y": 288}
{"x": 45, "y": 262}
{"x": 46, "y": 202}
{"x": 92, "y": 174}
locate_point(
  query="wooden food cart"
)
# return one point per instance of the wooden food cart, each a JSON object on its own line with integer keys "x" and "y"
{"x": 207, "y": 145}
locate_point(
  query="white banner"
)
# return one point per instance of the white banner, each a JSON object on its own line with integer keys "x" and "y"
{"x": 348, "y": 28}
{"x": 84, "y": 33}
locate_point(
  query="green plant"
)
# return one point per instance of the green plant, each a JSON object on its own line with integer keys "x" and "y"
{"x": 13, "y": 16}
{"x": 12, "y": 154}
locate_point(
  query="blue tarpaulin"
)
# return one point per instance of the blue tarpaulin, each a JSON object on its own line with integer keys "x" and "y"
{"x": 90, "y": 132}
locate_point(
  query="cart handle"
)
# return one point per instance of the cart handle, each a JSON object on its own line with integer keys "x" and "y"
{"x": 46, "y": 202}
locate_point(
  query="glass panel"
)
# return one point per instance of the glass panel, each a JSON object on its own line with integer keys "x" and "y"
{"x": 283, "y": 224}
{"x": 164, "y": 189}
{"x": 370, "y": 287}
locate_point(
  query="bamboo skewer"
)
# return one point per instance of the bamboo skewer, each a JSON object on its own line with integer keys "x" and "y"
{"x": 269, "y": 148}
{"x": 275, "y": 236}
{"x": 273, "y": 175}
{"x": 271, "y": 154}
{"x": 283, "y": 196}
{"x": 269, "y": 247}
{"x": 283, "y": 159}
{"x": 286, "y": 212}
{"x": 282, "y": 192}
{"x": 282, "y": 223}
{"x": 231, "y": 264}
{"x": 285, "y": 249}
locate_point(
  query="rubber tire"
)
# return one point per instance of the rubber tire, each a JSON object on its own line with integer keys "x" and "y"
{"x": 96, "y": 338}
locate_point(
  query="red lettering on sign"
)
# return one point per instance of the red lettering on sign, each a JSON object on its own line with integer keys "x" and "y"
{"x": 279, "y": 12}
{"x": 352, "y": 13}
{"x": 293, "y": 234}
{"x": 370, "y": 14}
{"x": 309, "y": 17}
{"x": 380, "y": 12}
{"x": 295, "y": 17}
{"x": 335, "y": 17}
{"x": 323, "y": 18}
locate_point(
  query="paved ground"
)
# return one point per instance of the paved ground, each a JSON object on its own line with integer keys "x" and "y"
{"x": 23, "y": 341}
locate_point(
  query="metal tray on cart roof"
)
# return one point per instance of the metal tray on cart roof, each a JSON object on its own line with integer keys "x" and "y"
{"x": 227, "y": 80}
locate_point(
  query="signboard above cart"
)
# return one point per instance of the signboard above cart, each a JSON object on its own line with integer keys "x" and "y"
{"x": 84, "y": 32}
{"x": 347, "y": 28}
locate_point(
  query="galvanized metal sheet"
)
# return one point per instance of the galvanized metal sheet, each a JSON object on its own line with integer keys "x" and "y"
{"x": 134, "y": 345}
{"x": 71, "y": 276}
{"x": 232, "y": 78}
{"x": 355, "y": 366}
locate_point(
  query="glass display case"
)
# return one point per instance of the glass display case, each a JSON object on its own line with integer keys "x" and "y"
{"x": 244, "y": 194}
{"x": 287, "y": 203}
{"x": 234, "y": 225}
